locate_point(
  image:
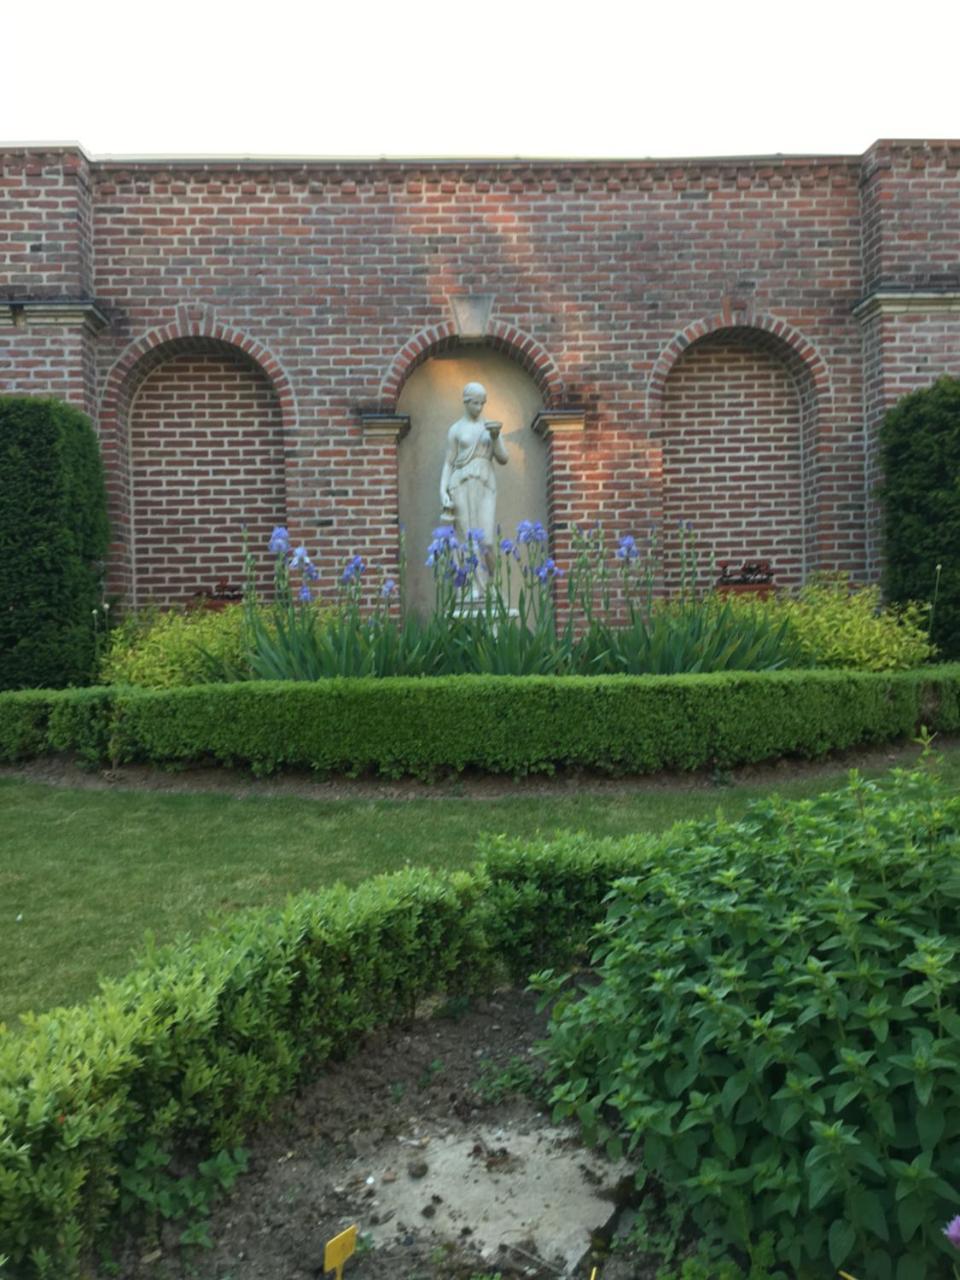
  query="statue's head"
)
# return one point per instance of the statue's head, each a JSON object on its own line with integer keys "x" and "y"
{"x": 475, "y": 391}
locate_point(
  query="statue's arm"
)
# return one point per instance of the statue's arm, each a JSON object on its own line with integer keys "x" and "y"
{"x": 448, "y": 460}
{"x": 500, "y": 450}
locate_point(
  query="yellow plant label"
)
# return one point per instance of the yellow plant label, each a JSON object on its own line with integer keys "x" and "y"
{"x": 339, "y": 1249}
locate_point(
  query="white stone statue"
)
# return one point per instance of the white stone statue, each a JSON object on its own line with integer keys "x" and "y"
{"x": 468, "y": 484}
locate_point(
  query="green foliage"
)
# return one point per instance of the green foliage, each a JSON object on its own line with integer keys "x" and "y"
{"x": 518, "y": 1076}
{"x": 920, "y": 460}
{"x": 774, "y": 1036}
{"x": 517, "y": 725}
{"x": 799, "y": 962}
{"x": 53, "y": 537}
{"x": 835, "y": 626}
{"x": 692, "y": 635}
{"x": 149, "y": 1190}
{"x": 174, "y": 649}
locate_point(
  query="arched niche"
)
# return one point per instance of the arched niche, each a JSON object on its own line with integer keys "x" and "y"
{"x": 206, "y": 462}
{"x": 432, "y": 398}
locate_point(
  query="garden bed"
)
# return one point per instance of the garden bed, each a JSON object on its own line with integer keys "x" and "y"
{"x": 420, "y": 1140}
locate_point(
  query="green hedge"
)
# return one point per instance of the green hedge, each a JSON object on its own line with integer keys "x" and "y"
{"x": 53, "y": 538}
{"x": 501, "y": 725}
{"x": 920, "y": 460}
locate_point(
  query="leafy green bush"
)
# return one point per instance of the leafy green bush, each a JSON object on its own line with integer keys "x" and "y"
{"x": 501, "y": 725}
{"x": 173, "y": 649}
{"x": 53, "y": 537}
{"x": 839, "y": 627}
{"x": 920, "y": 495}
{"x": 775, "y": 1034}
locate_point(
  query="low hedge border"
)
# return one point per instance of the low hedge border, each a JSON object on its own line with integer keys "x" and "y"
{"x": 632, "y": 724}
{"x": 195, "y": 1045}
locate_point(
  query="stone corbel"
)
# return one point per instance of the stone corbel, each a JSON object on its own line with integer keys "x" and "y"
{"x": 384, "y": 426}
{"x": 551, "y": 423}
{"x": 898, "y": 302}
{"x": 23, "y": 312}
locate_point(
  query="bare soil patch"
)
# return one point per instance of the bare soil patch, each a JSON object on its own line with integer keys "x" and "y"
{"x": 66, "y": 771}
{"x": 444, "y": 1176}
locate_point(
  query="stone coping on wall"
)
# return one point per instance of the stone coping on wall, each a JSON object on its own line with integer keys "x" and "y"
{"x": 21, "y": 312}
{"x": 894, "y": 301}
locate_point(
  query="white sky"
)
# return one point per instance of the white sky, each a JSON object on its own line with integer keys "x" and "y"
{"x": 496, "y": 77}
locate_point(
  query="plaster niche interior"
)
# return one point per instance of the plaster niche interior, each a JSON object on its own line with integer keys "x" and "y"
{"x": 432, "y": 397}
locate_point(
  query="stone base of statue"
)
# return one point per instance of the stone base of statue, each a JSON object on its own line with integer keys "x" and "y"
{"x": 477, "y": 609}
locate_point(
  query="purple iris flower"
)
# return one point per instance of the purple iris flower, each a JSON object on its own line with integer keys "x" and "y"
{"x": 388, "y": 588}
{"x": 353, "y": 570}
{"x": 952, "y": 1231}
{"x": 627, "y": 548}
{"x": 548, "y": 570}
{"x": 279, "y": 541}
{"x": 305, "y": 594}
{"x": 299, "y": 559}
{"x": 311, "y": 572}
{"x": 531, "y": 531}
{"x": 443, "y": 541}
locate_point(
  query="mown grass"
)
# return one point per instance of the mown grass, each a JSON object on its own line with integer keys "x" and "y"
{"x": 85, "y": 874}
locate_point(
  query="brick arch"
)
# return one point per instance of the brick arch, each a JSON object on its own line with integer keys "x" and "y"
{"x": 191, "y": 335}
{"x": 500, "y": 336}
{"x": 806, "y": 478}
{"x": 186, "y": 335}
{"x": 797, "y": 351}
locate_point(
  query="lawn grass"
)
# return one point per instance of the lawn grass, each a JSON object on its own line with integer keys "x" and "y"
{"x": 89, "y": 872}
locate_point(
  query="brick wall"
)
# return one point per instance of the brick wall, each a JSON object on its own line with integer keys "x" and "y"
{"x": 338, "y": 278}
{"x": 732, "y": 451}
{"x": 207, "y": 461}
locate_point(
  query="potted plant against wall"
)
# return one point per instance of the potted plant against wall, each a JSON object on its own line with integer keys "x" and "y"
{"x": 750, "y": 577}
{"x": 215, "y": 598}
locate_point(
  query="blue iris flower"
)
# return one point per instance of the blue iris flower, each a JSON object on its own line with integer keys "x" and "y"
{"x": 279, "y": 541}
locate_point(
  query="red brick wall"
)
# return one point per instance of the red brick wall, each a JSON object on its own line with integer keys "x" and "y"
{"x": 45, "y": 224}
{"x": 206, "y": 456}
{"x": 338, "y": 277}
{"x": 912, "y": 215}
{"x": 732, "y": 457}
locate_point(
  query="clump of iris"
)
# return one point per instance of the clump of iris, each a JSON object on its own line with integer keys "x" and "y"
{"x": 288, "y": 561}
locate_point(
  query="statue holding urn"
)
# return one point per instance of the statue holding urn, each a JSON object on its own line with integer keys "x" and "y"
{"x": 468, "y": 484}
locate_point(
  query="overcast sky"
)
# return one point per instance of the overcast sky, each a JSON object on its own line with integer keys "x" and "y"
{"x": 496, "y": 77}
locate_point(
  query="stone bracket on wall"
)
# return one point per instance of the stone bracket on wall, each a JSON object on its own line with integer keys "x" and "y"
{"x": 21, "y": 312}
{"x": 894, "y": 301}
{"x": 384, "y": 426}
{"x": 558, "y": 422}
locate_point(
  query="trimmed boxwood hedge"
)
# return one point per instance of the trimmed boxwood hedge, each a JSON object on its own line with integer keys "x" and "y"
{"x": 497, "y": 724}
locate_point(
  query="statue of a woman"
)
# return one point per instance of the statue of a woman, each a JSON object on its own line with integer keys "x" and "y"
{"x": 468, "y": 485}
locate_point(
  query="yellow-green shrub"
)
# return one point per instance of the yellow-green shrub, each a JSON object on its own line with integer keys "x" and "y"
{"x": 843, "y": 628}
{"x": 839, "y": 627}
{"x": 167, "y": 650}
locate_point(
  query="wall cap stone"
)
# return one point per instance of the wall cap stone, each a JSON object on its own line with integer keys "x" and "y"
{"x": 563, "y": 422}
{"x": 18, "y": 313}
{"x": 894, "y": 301}
{"x": 384, "y": 426}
